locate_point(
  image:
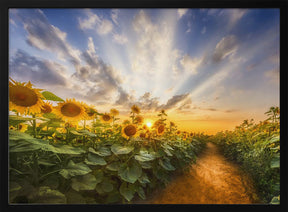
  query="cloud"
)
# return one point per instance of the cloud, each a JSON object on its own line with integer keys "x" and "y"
{"x": 114, "y": 15}
{"x": 24, "y": 67}
{"x": 190, "y": 64}
{"x": 44, "y": 36}
{"x": 120, "y": 39}
{"x": 181, "y": 12}
{"x": 225, "y": 47}
{"x": 203, "y": 31}
{"x": 94, "y": 22}
{"x": 235, "y": 15}
{"x": 273, "y": 75}
{"x": 102, "y": 80}
{"x": 174, "y": 102}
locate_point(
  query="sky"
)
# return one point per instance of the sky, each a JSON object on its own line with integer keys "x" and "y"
{"x": 209, "y": 69}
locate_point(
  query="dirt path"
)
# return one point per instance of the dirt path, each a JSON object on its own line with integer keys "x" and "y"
{"x": 212, "y": 180}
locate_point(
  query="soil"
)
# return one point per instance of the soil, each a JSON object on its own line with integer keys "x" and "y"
{"x": 211, "y": 180}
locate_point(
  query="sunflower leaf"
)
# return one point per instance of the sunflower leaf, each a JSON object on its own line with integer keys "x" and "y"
{"x": 50, "y": 96}
{"x": 118, "y": 149}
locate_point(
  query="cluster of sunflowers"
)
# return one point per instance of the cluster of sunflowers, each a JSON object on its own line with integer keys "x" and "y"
{"x": 25, "y": 100}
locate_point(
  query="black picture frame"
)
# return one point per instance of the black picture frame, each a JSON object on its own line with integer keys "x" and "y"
{"x": 4, "y": 35}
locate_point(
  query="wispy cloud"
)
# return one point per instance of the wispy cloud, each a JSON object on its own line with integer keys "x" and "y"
{"x": 225, "y": 47}
{"x": 44, "y": 36}
{"x": 181, "y": 12}
{"x": 25, "y": 67}
{"x": 94, "y": 22}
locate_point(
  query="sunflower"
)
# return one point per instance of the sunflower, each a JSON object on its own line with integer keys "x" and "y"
{"x": 47, "y": 107}
{"x": 22, "y": 127}
{"x": 139, "y": 119}
{"x": 160, "y": 129}
{"x": 23, "y": 98}
{"x": 178, "y": 132}
{"x": 172, "y": 124}
{"x": 70, "y": 110}
{"x": 114, "y": 112}
{"x": 90, "y": 112}
{"x": 135, "y": 109}
{"x": 129, "y": 131}
{"x": 106, "y": 118}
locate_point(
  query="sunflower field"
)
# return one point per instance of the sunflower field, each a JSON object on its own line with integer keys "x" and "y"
{"x": 67, "y": 152}
{"x": 256, "y": 148}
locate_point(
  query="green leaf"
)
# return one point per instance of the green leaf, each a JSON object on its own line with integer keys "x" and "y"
{"x": 107, "y": 186}
{"x": 166, "y": 164}
{"x": 14, "y": 120}
{"x": 65, "y": 149}
{"x": 144, "y": 156}
{"x": 95, "y": 160}
{"x": 50, "y": 96}
{"x": 102, "y": 151}
{"x": 275, "y": 162}
{"x": 140, "y": 191}
{"x": 144, "y": 178}
{"x": 86, "y": 182}
{"x": 127, "y": 191}
{"x": 98, "y": 175}
{"x": 73, "y": 169}
{"x": 118, "y": 149}
{"x": 275, "y": 200}
{"x": 130, "y": 173}
{"x": 47, "y": 195}
{"x": 114, "y": 166}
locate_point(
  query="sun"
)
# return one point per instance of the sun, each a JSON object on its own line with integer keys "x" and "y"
{"x": 149, "y": 124}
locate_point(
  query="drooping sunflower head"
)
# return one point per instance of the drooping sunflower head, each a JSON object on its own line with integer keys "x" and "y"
{"x": 106, "y": 118}
{"x": 70, "y": 110}
{"x": 114, "y": 112}
{"x": 23, "y": 98}
{"x": 160, "y": 129}
{"x": 157, "y": 123}
{"x": 135, "y": 109}
{"x": 47, "y": 107}
{"x": 90, "y": 112}
{"x": 172, "y": 124}
{"x": 139, "y": 119}
{"x": 129, "y": 131}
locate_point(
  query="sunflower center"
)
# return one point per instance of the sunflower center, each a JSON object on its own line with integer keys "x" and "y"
{"x": 46, "y": 109}
{"x": 106, "y": 117}
{"x": 23, "y": 96}
{"x": 130, "y": 130}
{"x": 70, "y": 110}
{"x": 160, "y": 129}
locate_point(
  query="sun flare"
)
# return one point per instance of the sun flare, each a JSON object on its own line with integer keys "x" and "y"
{"x": 149, "y": 124}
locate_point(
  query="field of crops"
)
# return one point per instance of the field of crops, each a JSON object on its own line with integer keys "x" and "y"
{"x": 65, "y": 151}
{"x": 256, "y": 147}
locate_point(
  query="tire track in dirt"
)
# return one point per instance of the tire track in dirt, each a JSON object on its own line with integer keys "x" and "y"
{"x": 211, "y": 180}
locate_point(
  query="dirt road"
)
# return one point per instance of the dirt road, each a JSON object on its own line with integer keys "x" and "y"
{"x": 212, "y": 180}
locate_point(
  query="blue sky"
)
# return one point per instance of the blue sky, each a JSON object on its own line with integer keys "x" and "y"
{"x": 208, "y": 68}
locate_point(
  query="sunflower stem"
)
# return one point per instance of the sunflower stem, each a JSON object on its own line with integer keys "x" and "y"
{"x": 34, "y": 125}
{"x": 18, "y": 123}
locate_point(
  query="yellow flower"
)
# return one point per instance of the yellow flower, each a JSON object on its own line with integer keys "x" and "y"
{"x": 135, "y": 109}
{"x": 114, "y": 112}
{"x": 178, "y": 132}
{"x": 23, "y": 127}
{"x": 90, "y": 112}
{"x": 172, "y": 124}
{"x": 129, "y": 131}
{"x": 139, "y": 119}
{"x": 106, "y": 118}
{"x": 70, "y": 110}
{"x": 47, "y": 107}
{"x": 23, "y": 98}
{"x": 160, "y": 129}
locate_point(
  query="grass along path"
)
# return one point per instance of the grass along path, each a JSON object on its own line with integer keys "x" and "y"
{"x": 212, "y": 180}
